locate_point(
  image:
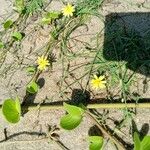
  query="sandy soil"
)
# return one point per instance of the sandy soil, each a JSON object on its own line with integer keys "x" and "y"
{"x": 31, "y": 123}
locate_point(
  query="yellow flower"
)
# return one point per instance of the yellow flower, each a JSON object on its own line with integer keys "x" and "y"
{"x": 42, "y": 63}
{"x": 98, "y": 82}
{"x": 68, "y": 10}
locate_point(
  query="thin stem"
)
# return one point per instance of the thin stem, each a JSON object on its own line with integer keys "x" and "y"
{"x": 36, "y": 140}
{"x": 19, "y": 141}
{"x": 89, "y": 106}
{"x": 118, "y": 144}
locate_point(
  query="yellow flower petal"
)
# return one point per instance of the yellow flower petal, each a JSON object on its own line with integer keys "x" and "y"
{"x": 103, "y": 82}
{"x": 68, "y": 10}
{"x": 95, "y": 76}
{"x": 102, "y": 86}
{"x": 98, "y": 82}
{"x": 101, "y": 77}
{"x": 42, "y": 63}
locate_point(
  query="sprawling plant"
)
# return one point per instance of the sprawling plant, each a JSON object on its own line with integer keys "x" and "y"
{"x": 63, "y": 24}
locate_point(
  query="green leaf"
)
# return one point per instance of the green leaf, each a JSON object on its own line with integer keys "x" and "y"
{"x": 18, "y": 106}
{"x": 11, "y": 110}
{"x": 33, "y": 6}
{"x": 46, "y": 20}
{"x": 1, "y": 45}
{"x": 136, "y": 141}
{"x": 17, "y": 36}
{"x": 73, "y": 118}
{"x": 50, "y": 16}
{"x": 53, "y": 15}
{"x": 55, "y": 34}
{"x": 70, "y": 122}
{"x": 8, "y": 24}
{"x": 32, "y": 87}
{"x": 145, "y": 144}
{"x": 96, "y": 142}
{"x": 71, "y": 109}
{"x": 19, "y": 4}
{"x": 31, "y": 70}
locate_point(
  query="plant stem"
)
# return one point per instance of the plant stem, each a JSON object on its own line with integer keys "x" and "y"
{"x": 63, "y": 147}
{"x": 118, "y": 144}
{"x": 90, "y": 106}
{"x": 52, "y": 106}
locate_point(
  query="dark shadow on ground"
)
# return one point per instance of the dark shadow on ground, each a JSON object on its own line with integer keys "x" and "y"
{"x": 142, "y": 132}
{"x": 127, "y": 38}
{"x": 29, "y": 98}
{"x": 95, "y": 131}
{"x": 80, "y": 97}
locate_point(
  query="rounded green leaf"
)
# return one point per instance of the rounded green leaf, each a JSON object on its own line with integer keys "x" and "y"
{"x": 49, "y": 17}
{"x": 8, "y": 24}
{"x": 17, "y": 36}
{"x": 71, "y": 109}
{"x": 19, "y": 4}
{"x": 18, "y": 106}
{"x": 73, "y": 118}
{"x": 137, "y": 144}
{"x": 53, "y": 15}
{"x": 11, "y": 110}
{"x": 96, "y": 142}
{"x": 31, "y": 70}
{"x": 46, "y": 20}
{"x": 1, "y": 45}
{"x": 32, "y": 87}
{"x": 70, "y": 121}
{"x": 145, "y": 144}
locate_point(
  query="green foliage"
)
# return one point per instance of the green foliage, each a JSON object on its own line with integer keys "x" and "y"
{"x": 8, "y": 24}
{"x": 31, "y": 70}
{"x": 49, "y": 17}
{"x": 17, "y": 36}
{"x": 145, "y": 144}
{"x": 55, "y": 33}
{"x": 136, "y": 141}
{"x": 1, "y": 45}
{"x": 88, "y": 6}
{"x": 141, "y": 145}
{"x": 34, "y": 6}
{"x": 73, "y": 118}
{"x": 11, "y": 110}
{"x": 96, "y": 142}
{"x": 121, "y": 52}
{"x": 19, "y": 5}
{"x": 32, "y": 87}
